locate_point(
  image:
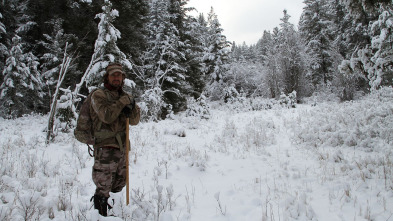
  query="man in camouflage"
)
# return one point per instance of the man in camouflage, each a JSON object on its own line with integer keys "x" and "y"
{"x": 109, "y": 108}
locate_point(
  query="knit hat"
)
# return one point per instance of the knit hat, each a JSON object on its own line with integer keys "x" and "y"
{"x": 113, "y": 68}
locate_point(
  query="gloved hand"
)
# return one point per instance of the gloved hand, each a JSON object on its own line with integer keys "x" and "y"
{"x": 125, "y": 99}
{"x": 127, "y": 110}
{"x": 129, "y": 107}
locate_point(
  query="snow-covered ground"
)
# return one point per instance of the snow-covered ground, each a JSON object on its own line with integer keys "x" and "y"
{"x": 329, "y": 161}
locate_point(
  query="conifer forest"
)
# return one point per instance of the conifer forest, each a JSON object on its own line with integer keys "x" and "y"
{"x": 298, "y": 126}
{"x": 55, "y": 51}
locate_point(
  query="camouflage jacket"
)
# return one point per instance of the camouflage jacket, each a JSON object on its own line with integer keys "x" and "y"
{"x": 109, "y": 123}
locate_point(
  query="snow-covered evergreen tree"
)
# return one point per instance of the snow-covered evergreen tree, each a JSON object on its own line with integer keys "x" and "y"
{"x": 291, "y": 58}
{"x": 201, "y": 29}
{"x": 163, "y": 72}
{"x": 3, "y": 47}
{"x": 152, "y": 104}
{"x": 230, "y": 93}
{"x": 54, "y": 44}
{"x": 217, "y": 49}
{"x": 197, "y": 30}
{"x": 21, "y": 89}
{"x": 65, "y": 113}
{"x": 10, "y": 19}
{"x": 216, "y": 56}
{"x": 314, "y": 27}
{"x": 273, "y": 76}
{"x": 381, "y": 73}
{"x": 262, "y": 46}
{"x": 198, "y": 108}
{"x": 189, "y": 51}
{"x": 342, "y": 34}
{"x": 288, "y": 101}
{"x": 105, "y": 51}
{"x": 371, "y": 58}
{"x": 105, "y": 48}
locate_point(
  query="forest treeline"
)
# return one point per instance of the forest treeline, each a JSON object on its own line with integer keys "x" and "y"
{"x": 172, "y": 57}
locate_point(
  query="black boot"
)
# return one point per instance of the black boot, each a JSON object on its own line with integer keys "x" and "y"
{"x": 101, "y": 204}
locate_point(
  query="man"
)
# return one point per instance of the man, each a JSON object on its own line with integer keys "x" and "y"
{"x": 108, "y": 110}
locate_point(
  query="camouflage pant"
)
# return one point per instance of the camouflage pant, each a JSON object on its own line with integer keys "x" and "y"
{"x": 109, "y": 170}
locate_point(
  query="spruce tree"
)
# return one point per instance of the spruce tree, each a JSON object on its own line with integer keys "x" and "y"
{"x": 262, "y": 46}
{"x": 105, "y": 48}
{"x": 185, "y": 47}
{"x": 54, "y": 46}
{"x": 216, "y": 57}
{"x": 21, "y": 89}
{"x": 163, "y": 71}
{"x": 273, "y": 76}
{"x": 105, "y": 52}
{"x": 371, "y": 58}
{"x": 9, "y": 20}
{"x": 314, "y": 28}
{"x": 195, "y": 75}
{"x": 291, "y": 63}
{"x": 216, "y": 50}
{"x": 381, "y": 73}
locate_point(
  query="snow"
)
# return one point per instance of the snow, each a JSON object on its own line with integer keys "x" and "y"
{"x": 326, "y": 161}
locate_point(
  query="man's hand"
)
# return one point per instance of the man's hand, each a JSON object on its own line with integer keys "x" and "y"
{"x": 127, "y": 110}
{"x": 125, "y": 99}
{"x": 129, "y": 107}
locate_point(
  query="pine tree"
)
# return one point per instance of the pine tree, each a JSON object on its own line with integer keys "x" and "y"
{"x": 198, "y": 108}
{"x": 53, "y": 55}
{"x": 236, "y": 53}
{"x": 371, "y": 58}
{"x": 216, "y": 57}
{"x": 105, "y": 52}
{"x": 273, "y": 76}
{"x": 217, "y": 49}
{"x": 381, "y": 74}
{"x": 291, "y": 63}
{"x": 340, "y": 29}
{"x": 263, "y": 45}
{"x": 188, "y": 49}
{"x": 20, "y": 91}
{"x": 202, "y": 30}
{"x": 105, "y": 48}
{"x": 244, "y": 53}
{"x": 9, "y": 20}
{"x": 314, "y": 29}
{"x": 163, "y": 72}
{"x": 195, "y": 75}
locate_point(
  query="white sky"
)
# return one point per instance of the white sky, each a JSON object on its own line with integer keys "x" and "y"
{"x": 245, "y": 20}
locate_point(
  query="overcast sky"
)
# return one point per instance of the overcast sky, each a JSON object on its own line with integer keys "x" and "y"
{"x": 245, "y": 20}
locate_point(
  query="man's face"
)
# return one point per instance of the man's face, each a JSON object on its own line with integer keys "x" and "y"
{"x": 115, "y": 79}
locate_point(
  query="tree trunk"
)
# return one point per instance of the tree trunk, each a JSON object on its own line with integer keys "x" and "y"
{"x": 64, "y": 67}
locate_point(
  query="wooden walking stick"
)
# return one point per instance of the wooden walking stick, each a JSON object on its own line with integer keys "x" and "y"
{"x": 127, "y": 150}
